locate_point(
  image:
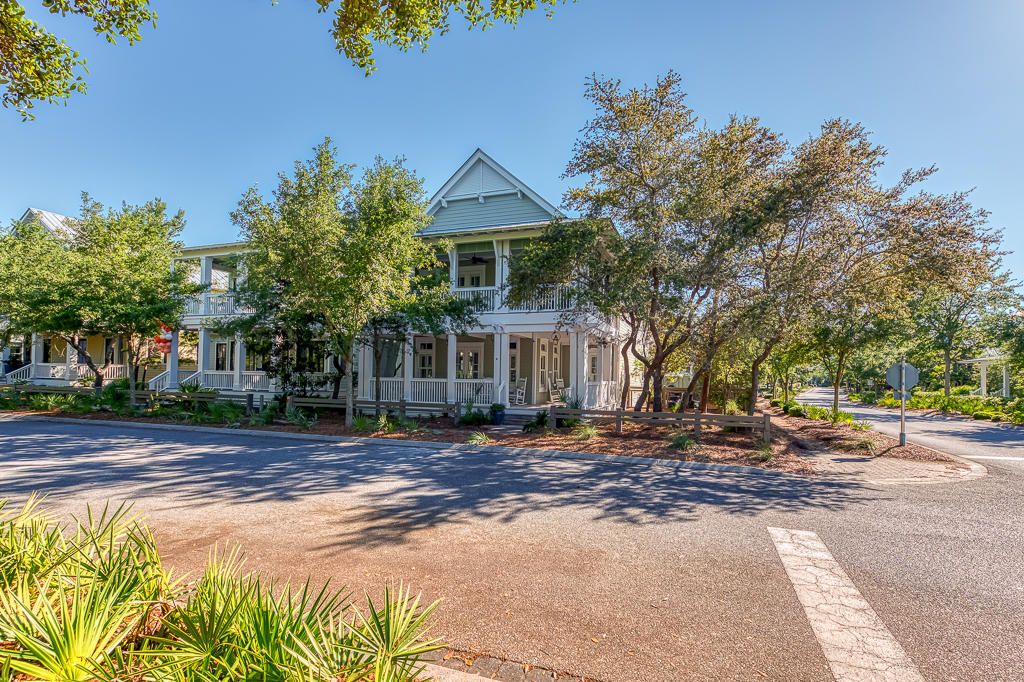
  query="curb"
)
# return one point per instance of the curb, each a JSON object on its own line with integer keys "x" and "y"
{"x": 433, "y": 445}
{"x": 442, "y": 674}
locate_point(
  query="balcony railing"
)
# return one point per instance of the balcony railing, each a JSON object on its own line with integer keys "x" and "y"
{"x": 216, "y": 305}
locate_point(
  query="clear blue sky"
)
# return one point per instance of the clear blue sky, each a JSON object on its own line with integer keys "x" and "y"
{"x": 224, "y": 94}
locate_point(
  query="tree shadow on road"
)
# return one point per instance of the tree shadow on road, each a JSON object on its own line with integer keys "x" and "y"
{"x": 380, "y": 495}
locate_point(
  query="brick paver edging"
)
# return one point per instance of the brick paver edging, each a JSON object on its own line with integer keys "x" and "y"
{"x": 435, "y": 445}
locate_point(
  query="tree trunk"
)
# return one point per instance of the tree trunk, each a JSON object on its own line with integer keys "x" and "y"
{"x": 946, "y": 371}
{"x": 339, "y": 372}
{"x": 624, "y": 351}
{"x": 658, "y": 388}
{"x": 840, "y": 363}
{"x": 705, "y": 392}
{"x": 643, "y": 392}
{"x": 755, "y": 375}
{"x": 81, "y": 345}
{"x": 350, "y": 401}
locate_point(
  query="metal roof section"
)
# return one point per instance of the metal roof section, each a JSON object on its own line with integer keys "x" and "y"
{"x": 55, "y": 223}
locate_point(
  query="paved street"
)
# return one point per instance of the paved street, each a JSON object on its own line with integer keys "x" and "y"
{"x": 998, "y": 446}
{"x": 673, "y": 572}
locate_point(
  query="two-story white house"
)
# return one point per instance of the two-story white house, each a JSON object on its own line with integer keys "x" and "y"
{"x": 523, "y": 356}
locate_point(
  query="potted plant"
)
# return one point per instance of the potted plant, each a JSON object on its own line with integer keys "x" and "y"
{"x": 497, "y": 414}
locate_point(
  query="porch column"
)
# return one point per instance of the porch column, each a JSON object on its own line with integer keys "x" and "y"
{"x": 239, "y": 362}
{"x": 407, "y": 361}
{"x": 601, "y": 348}
{"x": 450, "y": 369}
{"x": 362, "y": 392}
{"x": 172, "y": 363}
{"x": 500, "y": 367}
{"x": 5, "y": 358}
{"x": 984, "y": 378}
{"x": 1006, "y": 379}
{"x": 37, "y": 355}
{"x": 453, "y": 267}
{"x": 203, "y": 354}
{"x": 68, "y": 366}
{"x": 206, "y": 278}
{"x": 574, "y": 364}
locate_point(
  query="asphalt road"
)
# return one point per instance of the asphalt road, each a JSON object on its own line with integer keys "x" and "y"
{"x": 998, "y": 446}
{"x": 672, "y": 571}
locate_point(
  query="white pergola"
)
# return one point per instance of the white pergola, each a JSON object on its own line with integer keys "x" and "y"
{"x": 983, "y": 363}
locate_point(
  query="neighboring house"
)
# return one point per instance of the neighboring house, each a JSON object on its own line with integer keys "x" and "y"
{"x": 43, "y": 359}
{"x": 520, "y": 356}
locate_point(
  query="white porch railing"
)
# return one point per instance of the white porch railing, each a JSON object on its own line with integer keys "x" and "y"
{"x": 160, "y": 381}
{"x": 391, "y": 388}
{"x": 477, "y": 390}
{"x": 255, "y": 381}
{"x": 218, "y": 379}
{"x": 550, "y": 297}
{"x": 488, "y": 295}
{"x": 20, "y": 374}
{"x": 601, "y": 393}
{"x": 216, "y": 305}
{"x": 194, "y": 306}
{"x": 109, "y": 372}
{"x": 429, "y": 391}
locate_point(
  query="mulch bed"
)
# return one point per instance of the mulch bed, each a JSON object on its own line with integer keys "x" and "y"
{"x": 812, "y": 434}
{"x": 636, "y": 440}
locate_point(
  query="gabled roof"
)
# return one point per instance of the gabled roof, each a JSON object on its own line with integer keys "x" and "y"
{"x": 58, "y": 224}
{"x": 480, "y": 177}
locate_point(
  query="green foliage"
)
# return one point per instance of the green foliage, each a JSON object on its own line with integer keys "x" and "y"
{"x": 38, "y": 66}
{"x": 362, "y": 424}
{"x": 682, "y": 441}
{"x": 775, "y": 402}
{"x": 475, "y": 418}
{"x": 538, "y": 423}
{"x": 762, "y": 451}
{"x": 226, "y": 411}
{"x": 585, "y": 432}
{"x": 983, "y": 415}
{"x": 478, "y": 438}
{"x": 297, "y": 416}
{"x": 796, "y": 410}
{"x": 266, "y": 416}
{"x": 731, "y": 407}
{"x": 407, "y": 424}
{"x": 788, "y": 405}
{"x": 94, "y": 603}
{"x": 496, "y": 407}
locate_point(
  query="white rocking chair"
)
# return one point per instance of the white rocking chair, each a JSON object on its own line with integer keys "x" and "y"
{"x": 520, "y": 395}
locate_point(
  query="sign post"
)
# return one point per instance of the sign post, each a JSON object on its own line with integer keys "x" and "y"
{"x": 902, "y": 377}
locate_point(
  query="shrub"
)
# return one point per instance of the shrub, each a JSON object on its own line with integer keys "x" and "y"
{"x": 861, "y": 426}
{"x": 982, "y": 415}
{"x": 295, "y": 415}
{"x": 585, "y": 432}
{"x": 788, "y": 405}
{"x": 264, "y": 417}
{"x": 682, "y": 441}
{"x": 762, "y": 450}
{"x": 796, "y": 411}
{"x": 538, "y": 423}
{"x": 361, "y": 423}
{"x": 95, "y": 603}
{"x": 868, "y": 397}
{"x": 731, "y": 407}
{"x": 226, "y": 411}
{"x": 496, "y": 407}
{"x": 407, "y": 424}
{"x": 960, "y": 390}
{"x": 839, "y": 416}
{"x": 775, "y": 402}
{"x": 812, "y": 412}
{"x": 476, "y": 418}
{"x": 385, "y": 425}
{"x": 478, "y": 438}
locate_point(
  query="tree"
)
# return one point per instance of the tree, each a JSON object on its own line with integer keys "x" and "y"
{"x": 38, "y": 66}
{"x": 950, "y": 319}
{"x": 331, "y": 255}
{"x": 431, "y": 309}
{"x": 110, "y": 274}
{"x": 660, "y": 234}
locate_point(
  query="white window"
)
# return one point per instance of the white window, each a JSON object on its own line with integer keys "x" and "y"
{"x": 471, "y": 275}
{"x": 543, "y": 366}
{"x": 424, "y": 361}
{"x": 592, "y": 366}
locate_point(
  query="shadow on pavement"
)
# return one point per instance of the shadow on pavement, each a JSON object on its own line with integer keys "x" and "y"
{"x": 394, "y": 490}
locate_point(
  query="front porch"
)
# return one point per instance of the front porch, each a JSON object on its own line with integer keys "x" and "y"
{"x": 524, "y": 371}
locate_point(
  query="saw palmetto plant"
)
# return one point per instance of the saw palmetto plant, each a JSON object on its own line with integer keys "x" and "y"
{"x": 91, "y": 600}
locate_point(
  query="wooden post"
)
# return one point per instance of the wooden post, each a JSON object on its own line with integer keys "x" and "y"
{"x": 618, "y": 421}
{"x": 552, "y": 416}
{"x": 248, "y": 404}
{"x": 401, "y": 407}
{"x": 767, "y": 428}
{"x": 696, "y": 424}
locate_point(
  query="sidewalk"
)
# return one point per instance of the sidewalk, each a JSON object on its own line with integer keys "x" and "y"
{"x": 841, "y": 466}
